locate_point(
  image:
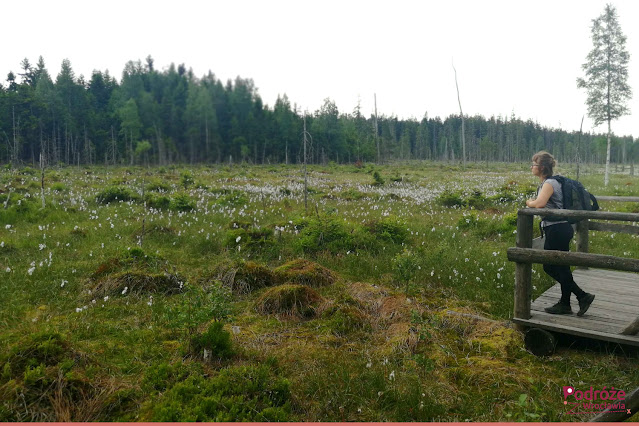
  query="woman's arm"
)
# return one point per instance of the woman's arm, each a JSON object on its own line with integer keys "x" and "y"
{"x": 542, "y": 198}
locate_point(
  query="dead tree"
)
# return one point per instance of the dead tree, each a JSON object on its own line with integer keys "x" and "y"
{"x": 42, "y": 167}
{"x": 461, "y": 113}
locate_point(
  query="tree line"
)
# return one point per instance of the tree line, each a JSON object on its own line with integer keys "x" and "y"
{"x": 170, "y": 116}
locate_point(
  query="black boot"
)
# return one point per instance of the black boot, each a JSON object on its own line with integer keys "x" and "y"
{"x": 559, "y": 309}
{"x": 584, "y": 303}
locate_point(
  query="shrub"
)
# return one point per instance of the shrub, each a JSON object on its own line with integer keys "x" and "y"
{"x": 214, "y": 342}
{"x": 186, "y": 179}
{"x": 405, "y": 267}
{"x": 157, "y": 201}
{"x": 477, "y": 201}
{"x": 388, "y": 229}
{"x": 486, "y": 228}
{"x": 114, "y": 193}
{"x": 377, "y": 178}
{"x": 351, "y": 195}
{"x": 254, "y": 239}
{"x": 196, "y": 306}
{"x": 450, "y": 199}
{"x": 233, "y": 198}
{"x": 59, "y": 186}
{"x": 325, "y": 234}
{"x": 182, "y": 203}
{"x": 158, "y": 186}
{"x": 293, "y": 299}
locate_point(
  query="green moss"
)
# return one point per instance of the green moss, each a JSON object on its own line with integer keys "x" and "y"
{"x": 346, "y": 319}
{"x": 234, "y": 394}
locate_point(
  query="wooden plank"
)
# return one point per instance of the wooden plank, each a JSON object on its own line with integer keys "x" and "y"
{"x": 559, "y": 328}
{"x": 555, "y": 257}
{"x": 597, "y": 311}
{"x": 581, "y": 322}
{"x": 580, "y": 214}
{"x": 618, "y": 322}
{"x": 608, "y": 283}
{"x": 603, "y": 285}
{"x": 603, "y": 300}
{"x": 613, "y": 275}
{"x": 623, "y": 295}
{"x": 610, "y": 273}
{"x": 601, "y": 313}
{"x": 617, "y": 198}
{"x": 613, "y": 227}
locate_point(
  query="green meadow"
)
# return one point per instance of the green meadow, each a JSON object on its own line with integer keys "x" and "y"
{"x": 213, "y": 293}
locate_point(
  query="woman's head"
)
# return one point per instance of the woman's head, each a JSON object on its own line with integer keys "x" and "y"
{"x": 544, "y": 162}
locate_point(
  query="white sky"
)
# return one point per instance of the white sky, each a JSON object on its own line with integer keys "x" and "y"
{"x": 516, "y": 55}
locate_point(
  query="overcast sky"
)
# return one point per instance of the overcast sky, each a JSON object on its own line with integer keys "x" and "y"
{"x": 511, "y": 56}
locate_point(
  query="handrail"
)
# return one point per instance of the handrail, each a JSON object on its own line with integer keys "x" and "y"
{"x": 552, "y": 257}
{"x": 617, "y": 198}
{"x": 580, "y": 214}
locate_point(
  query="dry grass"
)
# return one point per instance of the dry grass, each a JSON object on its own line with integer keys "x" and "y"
{"x": 302, "y": 271}
{"x": 290, "y": 299}
{"x": 136, "y": 282}
{"x": 245, "y": 277}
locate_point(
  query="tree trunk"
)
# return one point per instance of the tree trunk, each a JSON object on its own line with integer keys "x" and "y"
{"x": 461, "y": 114}
{"x": 42, "y": 179}
{"x": 607, "y": 177}
{"x": 379, "y": 159}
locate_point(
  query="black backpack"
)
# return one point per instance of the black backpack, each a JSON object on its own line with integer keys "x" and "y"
{"x": 575, "y": 197}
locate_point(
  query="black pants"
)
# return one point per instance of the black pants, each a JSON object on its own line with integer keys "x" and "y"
{"x": 558, "y": 237}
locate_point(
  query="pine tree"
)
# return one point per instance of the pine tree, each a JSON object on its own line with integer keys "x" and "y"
{"x": 606, "y": 71}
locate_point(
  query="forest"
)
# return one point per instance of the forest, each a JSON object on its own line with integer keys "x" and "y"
{"x": 153, "y": 117}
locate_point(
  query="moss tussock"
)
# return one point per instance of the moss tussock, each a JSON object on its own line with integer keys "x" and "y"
{"x": 302, "y": 271}
{"x": 293, "y": 299}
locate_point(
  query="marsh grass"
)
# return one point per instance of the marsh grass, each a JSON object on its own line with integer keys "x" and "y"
{"x": 359, "y": 332}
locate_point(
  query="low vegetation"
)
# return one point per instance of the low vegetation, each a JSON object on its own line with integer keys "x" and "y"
{"x": 212, "y": 294}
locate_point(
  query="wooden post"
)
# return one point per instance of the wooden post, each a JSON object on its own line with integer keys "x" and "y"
{"x": 523, "y": 271}
{"x": 582, "y": 238}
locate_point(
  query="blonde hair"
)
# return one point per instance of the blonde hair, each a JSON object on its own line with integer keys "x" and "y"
{"x": 546, "y": 163}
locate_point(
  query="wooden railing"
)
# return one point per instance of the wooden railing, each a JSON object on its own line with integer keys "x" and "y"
{"x": 524, "y": 255}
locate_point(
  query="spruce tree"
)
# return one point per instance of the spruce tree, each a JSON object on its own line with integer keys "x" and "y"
{"x": 606, "y": 68}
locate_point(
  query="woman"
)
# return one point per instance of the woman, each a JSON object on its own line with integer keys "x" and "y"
{"x": 558, "y": 235}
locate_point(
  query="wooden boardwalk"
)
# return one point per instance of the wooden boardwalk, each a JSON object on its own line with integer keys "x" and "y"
{"x": 616, "y": 305}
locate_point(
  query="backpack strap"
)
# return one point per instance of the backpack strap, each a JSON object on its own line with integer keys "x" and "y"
{"x": 595, "y": 204}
